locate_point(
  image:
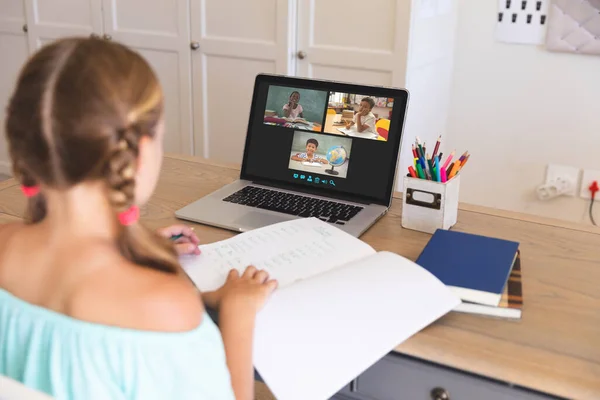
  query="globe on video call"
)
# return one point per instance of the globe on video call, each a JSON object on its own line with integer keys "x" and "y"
{"x": 336, "y": 156}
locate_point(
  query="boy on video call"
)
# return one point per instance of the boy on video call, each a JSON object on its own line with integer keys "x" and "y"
{"x": 364, "y": 119}
{"x": 309, "y": 155}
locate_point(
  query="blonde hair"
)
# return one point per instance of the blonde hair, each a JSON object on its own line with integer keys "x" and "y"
{"x": 78, "y": 112}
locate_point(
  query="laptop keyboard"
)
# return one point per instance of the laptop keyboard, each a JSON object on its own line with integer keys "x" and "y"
{"x": 293, "y": 204}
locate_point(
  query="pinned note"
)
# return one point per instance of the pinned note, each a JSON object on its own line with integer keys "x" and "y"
{"x": 522, "y": 21}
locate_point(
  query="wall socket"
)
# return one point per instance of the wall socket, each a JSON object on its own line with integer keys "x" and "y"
{"x": 566, "y": 173}
{"x": 589, "y": 176}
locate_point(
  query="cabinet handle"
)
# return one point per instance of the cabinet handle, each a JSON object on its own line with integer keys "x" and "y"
{"x": 301, "y": 55}
{"x": 194, "y": 45}
{"x": 95, "y": 36}
{"x": 25, "y": 28}
{"x": 107, "y": 37}
{"x": 439, "y": 393}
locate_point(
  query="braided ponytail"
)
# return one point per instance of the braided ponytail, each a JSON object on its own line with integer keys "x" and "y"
{"x": 120, "y": 170}
{"x": 135, "y": 243}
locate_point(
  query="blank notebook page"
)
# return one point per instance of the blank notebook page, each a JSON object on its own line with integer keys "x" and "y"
{"x": 315, "y": 336}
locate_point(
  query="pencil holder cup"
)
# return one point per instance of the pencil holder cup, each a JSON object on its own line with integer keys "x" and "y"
{"x": 429, "y": 205}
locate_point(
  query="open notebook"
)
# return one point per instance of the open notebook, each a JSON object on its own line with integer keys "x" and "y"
{"x": 354, "y": 133}
{"x": 339, "y": 308}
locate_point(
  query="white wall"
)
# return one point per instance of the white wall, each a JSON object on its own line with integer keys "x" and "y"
{"x": 13, "y": 45}
{"x": 429, "y": 80}
{"x": 517, "y": 108}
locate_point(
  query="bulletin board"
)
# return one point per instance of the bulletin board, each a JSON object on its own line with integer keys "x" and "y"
{"x": 574, "y": 27}
{"x": 571, "y": 26}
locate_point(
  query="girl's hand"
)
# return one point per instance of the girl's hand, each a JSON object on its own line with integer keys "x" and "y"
{"x": 186, "y": 241}
{"x": 249, "y": 291}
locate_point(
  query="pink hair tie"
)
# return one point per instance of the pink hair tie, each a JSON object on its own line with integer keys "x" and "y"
{"x": 129, "y": 216}
{"x": 30, "y": 191}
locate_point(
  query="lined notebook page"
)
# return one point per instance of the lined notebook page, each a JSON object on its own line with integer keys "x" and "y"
{"x": 289, "y": 251}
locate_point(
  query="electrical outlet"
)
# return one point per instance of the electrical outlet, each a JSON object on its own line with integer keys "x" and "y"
{"x": 566, "y": 173}
{"x": 589, "y": 176}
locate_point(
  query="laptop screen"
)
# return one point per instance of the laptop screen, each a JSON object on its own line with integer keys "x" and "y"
{"x": 325, "y": 137}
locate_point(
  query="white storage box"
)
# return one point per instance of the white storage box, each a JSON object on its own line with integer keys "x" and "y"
{"x": 429, "y": 205}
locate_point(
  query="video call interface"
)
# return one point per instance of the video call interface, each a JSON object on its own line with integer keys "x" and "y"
{"x": 334, "y": 140}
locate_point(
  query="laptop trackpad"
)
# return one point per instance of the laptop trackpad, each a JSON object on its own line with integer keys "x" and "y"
{"x": 253, "y": 220}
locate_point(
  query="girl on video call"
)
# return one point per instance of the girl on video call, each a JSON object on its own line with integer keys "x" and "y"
{"x": 92, "y": 305}
{"x": 292, "y": 109}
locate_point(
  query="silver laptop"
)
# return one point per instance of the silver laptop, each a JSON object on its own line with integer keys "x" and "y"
{"x": 314, "y": 148}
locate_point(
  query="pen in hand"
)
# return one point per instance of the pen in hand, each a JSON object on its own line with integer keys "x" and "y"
{"x": 183, "y": 237}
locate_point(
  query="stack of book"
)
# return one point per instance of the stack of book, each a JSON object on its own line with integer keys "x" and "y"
{"x": 484, "y": 272}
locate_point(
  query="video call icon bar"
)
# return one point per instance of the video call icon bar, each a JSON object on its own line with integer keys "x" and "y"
{"x": 316, "y": 179}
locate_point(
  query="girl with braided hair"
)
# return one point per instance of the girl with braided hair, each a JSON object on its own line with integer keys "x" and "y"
{"x": 93, "y": 305}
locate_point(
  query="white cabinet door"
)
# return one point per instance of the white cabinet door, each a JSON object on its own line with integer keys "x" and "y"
{"x": 15, "y": 50}
{"x": 48, "y": 20}
{"x": 354, "y": 41}
{"x": 236, "y": 41}
{"x": 159, "y": 31}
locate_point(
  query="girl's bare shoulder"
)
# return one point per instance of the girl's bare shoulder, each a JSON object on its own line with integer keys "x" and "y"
{"x": 136, "y": 297}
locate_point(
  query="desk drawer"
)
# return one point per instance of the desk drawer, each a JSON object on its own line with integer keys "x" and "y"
{"x": 397, "y": 377}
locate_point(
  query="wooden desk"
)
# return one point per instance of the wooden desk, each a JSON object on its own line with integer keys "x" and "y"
{"x": 330, "y": 127}
{"x": 555, "y": 348}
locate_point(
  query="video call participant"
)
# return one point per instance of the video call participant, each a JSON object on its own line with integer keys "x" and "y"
{"x": 364, "y": 119}
{"x": 309, "y": 155}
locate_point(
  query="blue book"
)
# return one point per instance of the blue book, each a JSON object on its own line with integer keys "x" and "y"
{"x": 475, "y": 267}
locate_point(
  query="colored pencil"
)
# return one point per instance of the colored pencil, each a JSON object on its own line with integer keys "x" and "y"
{"x": 420, "y": 171}
{"x": 445, "y": 166}
{"x": 437, "y": 170}
{"x": 412, "y": 171}
{"x": 455, "y": 168}
{"x": 437, "y": 146}
{"x": 420, "y": 147}
{"x": 448, "y": 170}
{"x": 430, "y": 163}
{"x": 432, "y": 166}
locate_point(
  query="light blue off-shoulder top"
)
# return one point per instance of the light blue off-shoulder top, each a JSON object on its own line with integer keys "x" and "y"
{"x": 73, "y": 359}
